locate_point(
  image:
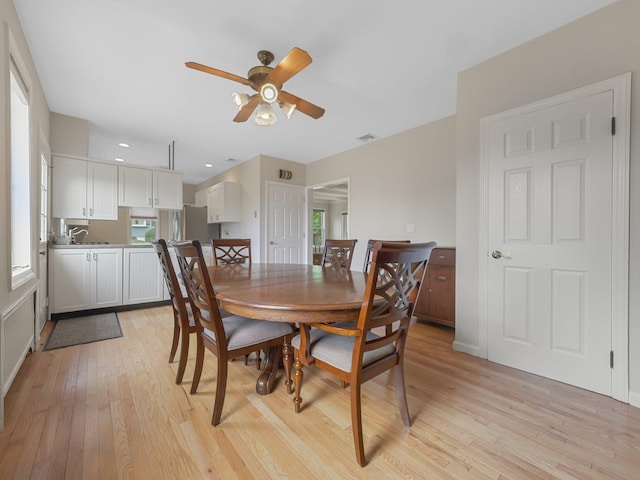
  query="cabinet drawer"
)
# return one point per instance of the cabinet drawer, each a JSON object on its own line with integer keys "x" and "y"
{"x": 443, "y": 256}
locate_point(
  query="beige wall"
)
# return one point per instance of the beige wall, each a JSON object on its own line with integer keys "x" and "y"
{"x": 599, "y": 46}
{"x": 69, "y": 135}
{"x": 409, "y": 178}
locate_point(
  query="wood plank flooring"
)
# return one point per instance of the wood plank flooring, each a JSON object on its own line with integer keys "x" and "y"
{"x": 111, "y": 410}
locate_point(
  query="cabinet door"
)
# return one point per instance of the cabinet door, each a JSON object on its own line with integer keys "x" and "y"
{"x": 135, "y": 187}
{"x": 167, "y": 190}
{"x": 102, "y": 191}
{"x": 70, "y": 279}
{"x": 442, "y": 293}
{"x": 143, "y": 280}
{"x": 106, "y": 281}
{"x": 68, "y": 188}
{"x": 201, "y": 198}
{"x": 223, "y": 203}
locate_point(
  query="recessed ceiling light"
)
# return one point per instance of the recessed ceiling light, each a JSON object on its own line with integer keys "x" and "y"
{"x": 208, "y": 165}
{"x": 118, "y": 159}
{"x": 124, "y": 145}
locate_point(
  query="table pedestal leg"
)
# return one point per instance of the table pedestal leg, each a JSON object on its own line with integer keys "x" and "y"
{"x": 267, "y": 377}
{"x": 287, "y": 360}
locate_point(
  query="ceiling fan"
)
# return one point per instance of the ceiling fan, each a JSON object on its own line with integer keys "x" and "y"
{"x": 268, "y": 81}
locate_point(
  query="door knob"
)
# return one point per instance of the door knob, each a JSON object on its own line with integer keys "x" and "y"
{"x": 271, "y": 242}
{"x": 496, "y": 254}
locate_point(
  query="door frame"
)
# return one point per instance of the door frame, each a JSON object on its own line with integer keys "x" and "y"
{"x": 621, "y": 87}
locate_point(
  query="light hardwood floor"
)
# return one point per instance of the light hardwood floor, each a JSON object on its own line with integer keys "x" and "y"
{"x": 112, "y": 410}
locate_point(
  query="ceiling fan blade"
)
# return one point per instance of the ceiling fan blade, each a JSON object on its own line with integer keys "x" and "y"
{"x": 291, "y": 64}
{"x": 219, "y": 73}
{"x": 246, "y": 111}
{"x": 303, "y": 106}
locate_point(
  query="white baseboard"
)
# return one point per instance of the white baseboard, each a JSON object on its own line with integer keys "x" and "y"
{"x": 634, "y": 399}
{"x": 466, "y": 348}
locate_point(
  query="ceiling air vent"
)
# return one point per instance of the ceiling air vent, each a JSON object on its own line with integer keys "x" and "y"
{"x": 367, "y": 137}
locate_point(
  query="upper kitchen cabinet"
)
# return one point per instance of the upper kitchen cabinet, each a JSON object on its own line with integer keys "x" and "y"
{"x": 148, "y": 188}
{"x": 83, "y": 189}
{"x": 223, "y": 202}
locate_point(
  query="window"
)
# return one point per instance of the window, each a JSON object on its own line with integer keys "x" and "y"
{"x": 143, "y": 230}
{"x": 318, "y": 230}
{"x": 21, "y": 263}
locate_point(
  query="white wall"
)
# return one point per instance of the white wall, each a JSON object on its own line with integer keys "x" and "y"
{"x": 599, "y": 46}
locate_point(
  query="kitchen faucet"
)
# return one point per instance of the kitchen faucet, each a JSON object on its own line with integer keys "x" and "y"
{"x": 73, "y": 233}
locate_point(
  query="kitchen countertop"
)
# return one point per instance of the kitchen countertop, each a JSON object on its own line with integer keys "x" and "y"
{"x": 100, "y": 245}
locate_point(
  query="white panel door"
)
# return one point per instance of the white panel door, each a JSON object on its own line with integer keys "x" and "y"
{"x": 102, "y": 191}
{"x": 285, "y": 223}
{"x": 143, "y": 277}
{"x": 550, "y": 223}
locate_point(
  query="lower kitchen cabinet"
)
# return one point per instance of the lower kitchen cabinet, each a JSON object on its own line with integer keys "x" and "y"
{"x": 84, "y": 279}
{"x": 437, "y": 300}
{"x": 143, "y": 278}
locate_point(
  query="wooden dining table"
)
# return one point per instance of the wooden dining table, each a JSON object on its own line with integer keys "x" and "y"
{"x": 287, "y": 293}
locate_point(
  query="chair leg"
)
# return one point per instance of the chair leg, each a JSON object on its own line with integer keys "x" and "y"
{"x": 197, "y": 371}
{"x": 184, "y": 354}
{"x": 356, "y": 423}
{"x": 258, "y": 359}
{"x": 174, "y": 342}
{"x": 401, "y": 393}
{"x": 297, "y": 381}
{"x": 221, "y": 390}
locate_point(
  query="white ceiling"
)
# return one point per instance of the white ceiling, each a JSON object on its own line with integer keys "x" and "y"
{"x": 379, "y": 67}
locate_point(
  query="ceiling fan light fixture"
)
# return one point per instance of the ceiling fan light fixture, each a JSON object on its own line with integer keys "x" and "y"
{"x": 269, "y": 92}
{"x": 239, "y": 99}
{"x": 265, "y": 115}
{"x": 288, "y": 108}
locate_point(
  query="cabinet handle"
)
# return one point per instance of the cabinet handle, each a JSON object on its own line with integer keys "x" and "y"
{"x": 88, "y": 257}
{"x": 95, "y": 257}
{"x": 150, "y": 202}
{"x": 84, "y": 212}
{"x": 157, "y": 202}
{"x": 442, "y": 278}
{"x": 91, "y": 212}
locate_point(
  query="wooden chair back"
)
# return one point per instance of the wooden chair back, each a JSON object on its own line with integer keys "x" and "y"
{"x": 338, "y": 253}
{"x": 231, "y": 250}
{"x": 370, "y": 244}
{"x": 170, "y": 278}
{"x": 200, "y": 290}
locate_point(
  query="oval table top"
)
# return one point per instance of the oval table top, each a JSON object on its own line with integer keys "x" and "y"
{"x": 289, "y": 293}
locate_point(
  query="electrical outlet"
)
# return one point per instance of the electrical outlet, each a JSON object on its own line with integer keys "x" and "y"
{"x": 411, "y": 227}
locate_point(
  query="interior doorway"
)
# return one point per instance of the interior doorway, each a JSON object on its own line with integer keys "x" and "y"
{"x": 328, "y": 214}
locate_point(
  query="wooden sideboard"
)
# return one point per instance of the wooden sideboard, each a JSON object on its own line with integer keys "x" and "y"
{"x": 437, "y": 300}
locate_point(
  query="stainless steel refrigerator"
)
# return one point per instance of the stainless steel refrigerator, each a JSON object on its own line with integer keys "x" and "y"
{"x": 191, "y": 224}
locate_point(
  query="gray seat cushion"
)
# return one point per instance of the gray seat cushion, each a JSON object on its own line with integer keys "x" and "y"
{"x": 337, "y": 350}
{"x": 242, "y": 331}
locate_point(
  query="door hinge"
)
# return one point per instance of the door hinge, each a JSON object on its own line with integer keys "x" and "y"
{"x": 613, "y": 125}
{"x": 611, "y": 359}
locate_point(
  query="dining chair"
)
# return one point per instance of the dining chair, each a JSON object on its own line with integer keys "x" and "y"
{"x": 353, "y": 352}
{"x": 231, "y": 250}
{"x": 228, "y": 337}
{"x": 370, "y": 244}
{"x": 338, "y": 253}
{"x": 183, "y": 322}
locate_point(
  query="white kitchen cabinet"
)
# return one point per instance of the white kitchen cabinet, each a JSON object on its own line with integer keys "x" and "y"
{"x": 84, "y": 278}
{"x": 148, "y": 188}
{"x": 83, "y": 189}
{"x": 223, "y": 202}
{"x": 143, "y": 278}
